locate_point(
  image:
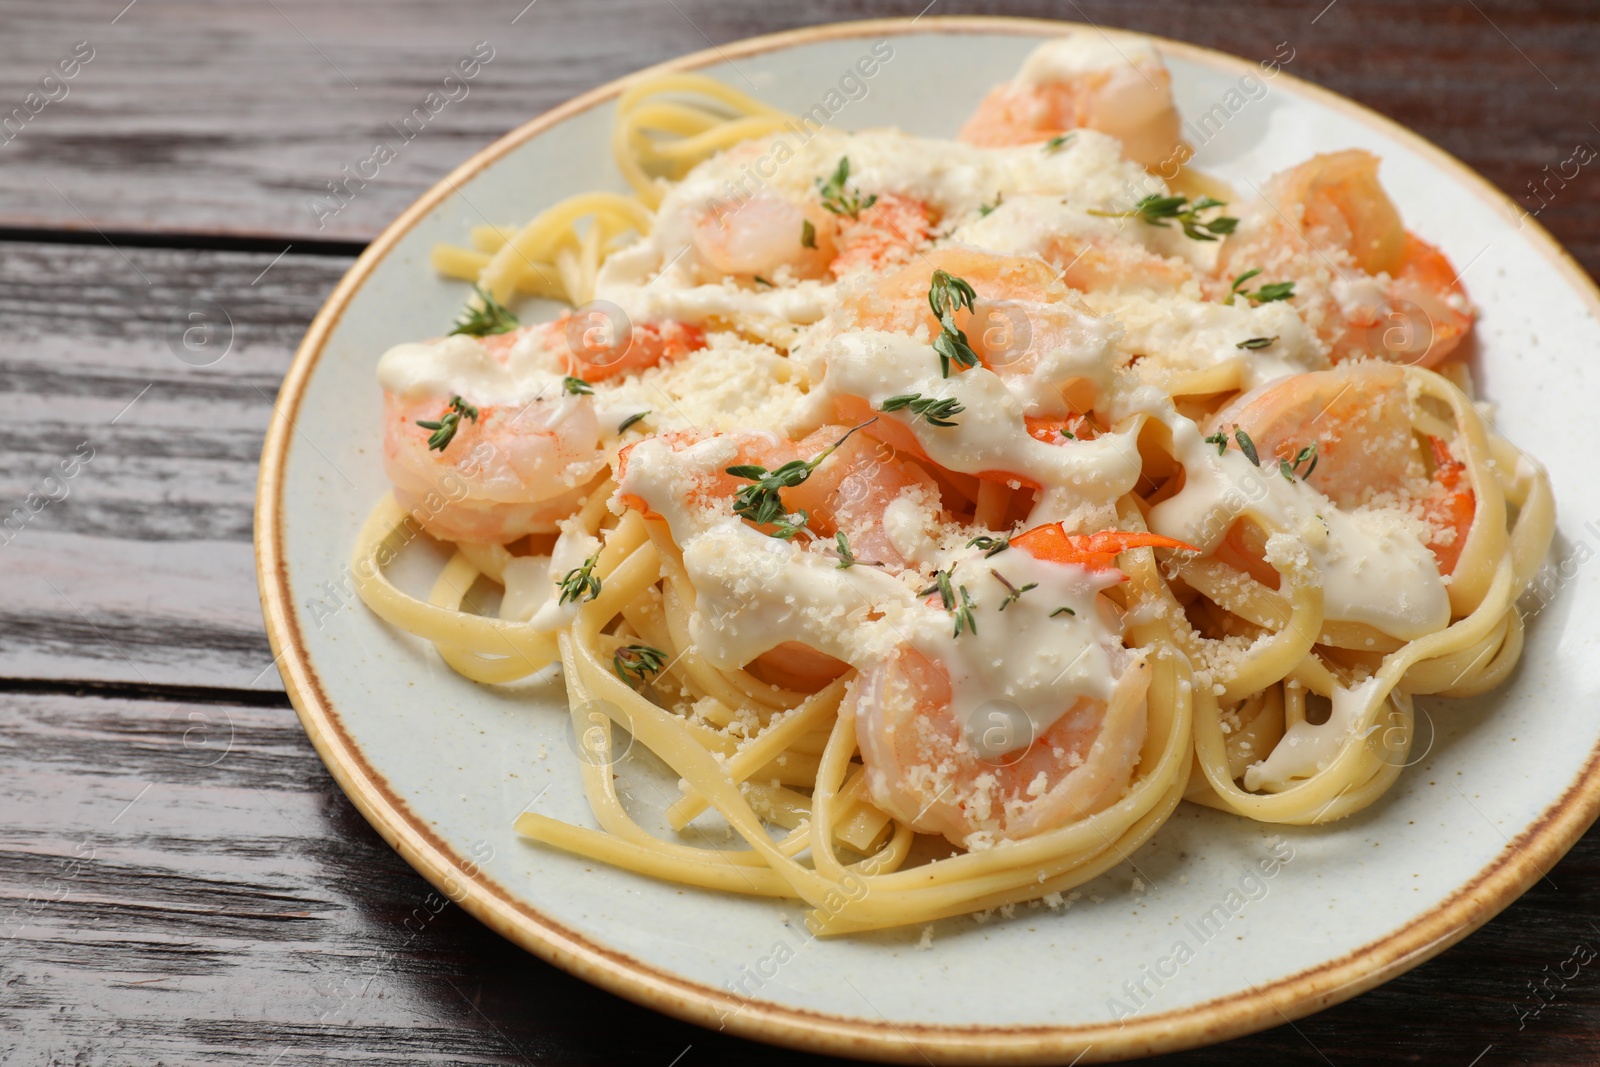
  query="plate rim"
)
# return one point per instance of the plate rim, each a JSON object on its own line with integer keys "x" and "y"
{"x": 1525, "y": 859}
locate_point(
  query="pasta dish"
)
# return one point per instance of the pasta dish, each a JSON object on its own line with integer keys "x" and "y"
{"x": 942, "y": 513}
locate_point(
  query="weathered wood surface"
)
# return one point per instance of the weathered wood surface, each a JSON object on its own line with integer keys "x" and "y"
{"x": 138, "y": 567}
{"x": 182, "y": 883}
{"x": 219, "y": 901}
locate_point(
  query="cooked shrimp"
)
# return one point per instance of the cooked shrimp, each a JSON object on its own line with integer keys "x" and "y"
{"x": 1022, "y": 310}
{"x": 961, "y": 772}
{"x": 767, "y": 232}
{"x": 1358, "y": 419}
{"x": 513, "y": 470}
{"x": 1364, "y": 283}
{"x": 1085, "y": 81}
{"x": 595, "y": 348}
{"x": 851, "y": 492}
{"x": 883, "y": 235}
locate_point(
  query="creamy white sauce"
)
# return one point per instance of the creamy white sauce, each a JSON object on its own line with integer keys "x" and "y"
{"x": 1022, "y": 668}
{"x": 1307, "y": 748}
{"x": 1372, "y": 571}
{"x": 573, "y": 548}
{"x": 1084, "y": 52}
{"x": 990, "y": 435}
{"x": 460, "y": 365}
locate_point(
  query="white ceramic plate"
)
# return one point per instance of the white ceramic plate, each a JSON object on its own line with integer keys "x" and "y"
{"x": 442, "y": 766}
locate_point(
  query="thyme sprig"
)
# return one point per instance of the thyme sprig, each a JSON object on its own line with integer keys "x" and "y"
{"x": 1290, "y": 470}
{"x": 959, "y": 607}
{"x": 576, "y": 386}
{"x": 580, "y": 583}
{"x": 1013, "y": 593}
{"x": 839, "y": 197}
{"x": 847, "y": 557}
{"x": 947, "y": 293}
{"x": 639, "y": 661}
{"x": 1158, "y": 210}
{"x": 937, "y": 410}
{"x": 491, "y": 318}
{"x": 1266, "y": 294}
{"x": 992, "y": 546}
{"x": 444, "y": 428}
{"x": 762, "y": 504}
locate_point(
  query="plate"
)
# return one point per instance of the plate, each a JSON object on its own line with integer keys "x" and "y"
{"x": 1274, "y": 923}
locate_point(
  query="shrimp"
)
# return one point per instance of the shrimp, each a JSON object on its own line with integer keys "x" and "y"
{"x": 1364, "y": 283}
{"x": 595, "y": 346}
{"x": 1021, "y": 312}
{"x": 763, "y": 234}
{"x": 1085, "y": 82}
{"x": 1358, "y": 418}
{"x": 885, "y": 234}
{"x": 852, "y": 491}
{"x": 513, "y": 470}
{"x": 590, "y": 348}
{"x": 768, "y": 234}
{"x": 933, "y": 767}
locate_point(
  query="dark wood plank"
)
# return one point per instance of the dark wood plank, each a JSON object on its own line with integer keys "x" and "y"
{"x": 140, "y": 568}
{"x": 199, "y": 117}
{"x": 181, "y": 882}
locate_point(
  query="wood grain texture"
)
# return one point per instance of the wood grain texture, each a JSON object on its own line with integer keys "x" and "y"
{"x": 138, "y": 567}
{"x": 182, "y": 883}
{"x": 180, "y": 880}
{"x": 206, "y": 117}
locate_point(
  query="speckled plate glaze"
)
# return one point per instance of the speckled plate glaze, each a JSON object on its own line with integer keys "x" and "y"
{"x": 1212, "y": 929}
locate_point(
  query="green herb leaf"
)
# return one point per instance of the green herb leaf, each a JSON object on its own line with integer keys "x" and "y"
{"x": 837, "y": 195}
{"x": 1013, "y": 594}
{"x": 1247, "y": 446}
{"x": 630, "y": 420}
{"x": 964, "y": 617}
{"x": 491, "y": 318}
{"x": 992, "y": 546}
{"x": 762, "y": 503}
{"x": 847, "y": 558}
{"x": 576, "y": 386}
{"x": 960, "y": 608}
{"x": 1062, "y": 611}
{"x": 1238, "y": 283}
{"x": 1257, "y": 343}
{"x": 639, "y": 661}
{"x": 947, "y": 293}
{"x": 937, "y": 411}
{"x": 808, "y": 234}
{"x": 984, "y": 210}
{"x": 1264, "y": 295}
{"x": 580, "y": 583}
{"x": 1220, "y": 440}
{"x": 1307, "y": 455}
{"x": 1056, "y": 142}
{"x": 1158, "y": 210}
{"x": 444, "y": 430}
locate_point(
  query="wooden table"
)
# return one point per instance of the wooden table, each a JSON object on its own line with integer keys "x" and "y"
{"x": 180, "y": 880}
